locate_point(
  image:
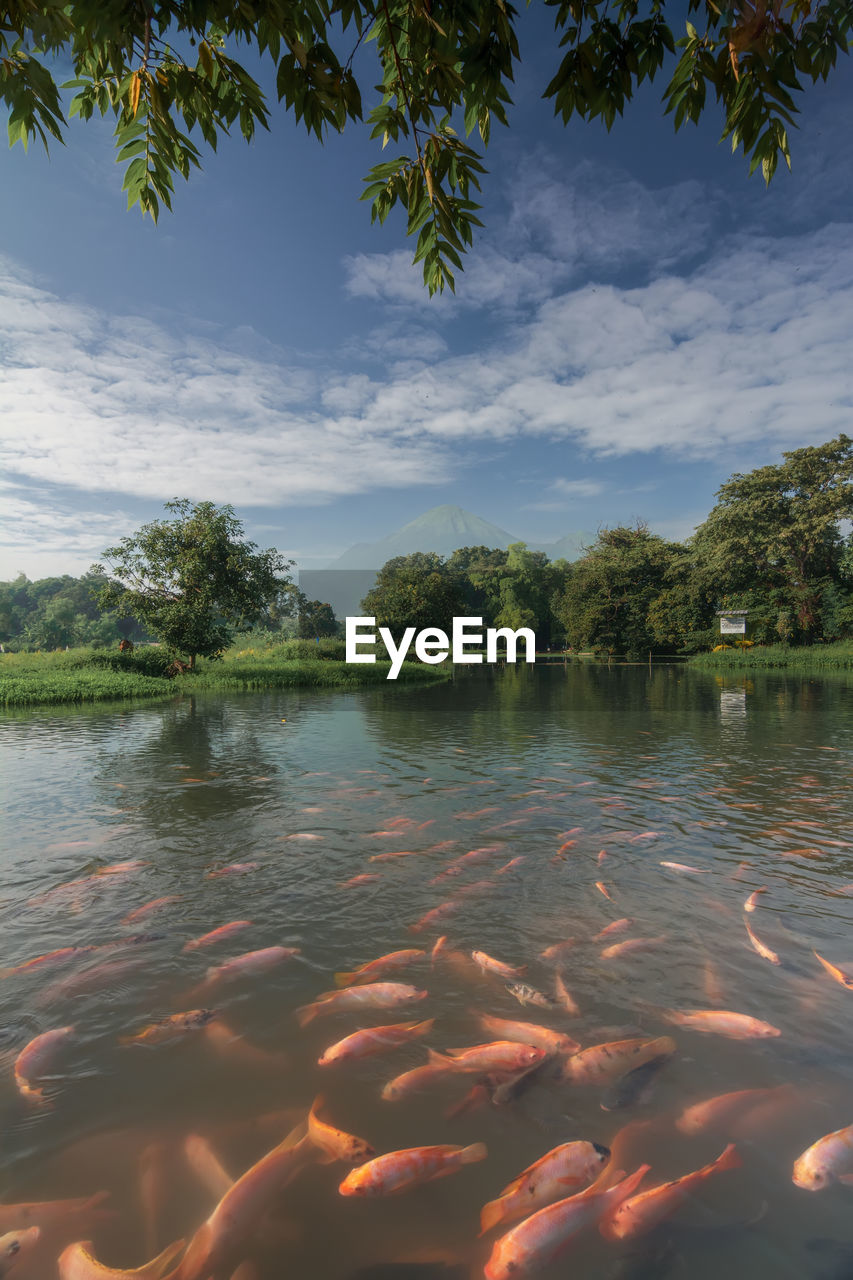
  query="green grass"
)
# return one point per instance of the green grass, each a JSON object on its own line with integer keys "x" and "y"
{"x": 97, "y": 675}
{"x": 802, "y": 659}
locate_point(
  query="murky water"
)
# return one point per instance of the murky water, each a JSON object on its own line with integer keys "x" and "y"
{"x": 746, "y": 782}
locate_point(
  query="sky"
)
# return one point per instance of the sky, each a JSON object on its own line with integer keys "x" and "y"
{"x": 638, "y": 321}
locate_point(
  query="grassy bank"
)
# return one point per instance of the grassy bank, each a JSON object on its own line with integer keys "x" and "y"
{"x": 96, "y": 675}
{"x": 801, "y": 659}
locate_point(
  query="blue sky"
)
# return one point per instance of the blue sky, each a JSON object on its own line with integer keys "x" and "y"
{"x": 638, "y": 321}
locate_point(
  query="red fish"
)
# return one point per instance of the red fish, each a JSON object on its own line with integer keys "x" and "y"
{"x": 639, "y": 1214}
{"x": 35, "y": 1058}
{"x": 217, "y": 935}
{"x": 399, "y": 1170}
{"x": 373, "y": 1040}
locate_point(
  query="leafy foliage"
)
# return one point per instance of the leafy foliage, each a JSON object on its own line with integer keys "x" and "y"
{"x": 168, "y": 71}
{"x": 192, "y": 580}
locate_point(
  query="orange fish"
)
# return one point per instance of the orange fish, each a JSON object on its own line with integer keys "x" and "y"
{"x": 643, "y": 1212}
{"x": 827, "y": 1160}
{"x": 76, "y": 1262}
{"x": 141, "y": 912}
{"x": 375, "y": 995}
{"x": 564, "y": 997}
{"x": 16, "y": 1246}
{"x": 431, "y": 917}
{"x": 630, "y": 946}
{"x": 618, "y": 926}
{"x": 487, "y": 964}
{"x": 605, "y": 1063}
{"x": 573, "y": 1164}
{"x": 386, "y": 857}
{"x": 760, "y": 947}
{"x": 54, "y": 1215}
{"x": 399, "y": 1170}
{"x": 724, "y": 1108}
{"x": 558, "y": 949}
{"x": 35, "y": 1058}
{"x": 528, "y": 1033}
{"x": 63, "y": 956}
{"x": 499, "y": 1056}
{"x": 437, "y": 949}
{"x": 752, "y": 901}
{"x": 250, "y": 962}
{"x": 235, "y": 869}
{"x": 602, "y": 888}
{"x": 335, "y": 1143}
{"x": 508, "y": 866}
{"x": 385, "y": 964}
{"x": 373, "y": 1040}
{"x": 216, "y": 935}
{"x": 838, "y": 974}
{"x": 721, "y": 1022}
{"x": 437, "y": 1068}
{"x": 541, "y": 1237}
{"x": 365, "y": 878}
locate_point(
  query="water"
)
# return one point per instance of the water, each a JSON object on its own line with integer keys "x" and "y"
{"x": 733, "y": 776}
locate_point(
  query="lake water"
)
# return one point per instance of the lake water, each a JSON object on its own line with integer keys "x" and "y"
{"x": 746, "y": 781}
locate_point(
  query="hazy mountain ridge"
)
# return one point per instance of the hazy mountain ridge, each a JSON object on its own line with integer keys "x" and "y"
{"x": 443, "y": 529}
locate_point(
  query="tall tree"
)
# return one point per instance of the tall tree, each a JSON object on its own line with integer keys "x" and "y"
{"x": 777, "y": 530}
{"x": 193, "y": 580}
{"x": 167, "y": 73}
{"x": 418, "y": 591}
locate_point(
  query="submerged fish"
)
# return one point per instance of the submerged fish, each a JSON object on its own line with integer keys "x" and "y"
{"x": 529, "y": 1033}
{"x": 640, "y": 1213}
{"x": 374, "y": 1040}
{"x": 251, "y": 962}
{"x": 217, "y": 935}
{"x": 35, "y": 1058}
{"x": 834, "y": 972}
{"x": 500, "y": 1056}
{"x": 399, "y": 1170}
{"x": 487, "y": 964}
{"x": 721, "y": 1022}
{"x": 635, "y": 1086}
{"x": 725, "y": 1107}
{"x": 335, "y": 1143}
{"x": 374, "y": 995}
{"x": 15, "y": 1247}
{"x": 605, "y": 1063}
{"x": 172, "y": 1027}
{"x": 78, "y": 1263}
{"x": 384, "y": 964}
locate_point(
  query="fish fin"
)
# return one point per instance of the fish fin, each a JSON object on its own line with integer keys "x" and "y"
{"x": 306, "y": 1014}
{"x": 476, "y": 1151}
{"x": 572, "y": 1181}
{"x": 439, "y": 1059}
{"x": 491, "y": 1214}
{"x": 156, "y": 1268}
{"x": 422, "y": 1028}
{"x": 846, "y": 1178}
{"x": 730, "y": 1159}
{"x": 345, "y": 979}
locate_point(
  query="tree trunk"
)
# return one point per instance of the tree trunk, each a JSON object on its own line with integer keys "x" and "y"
{"x": 192, "y": 662}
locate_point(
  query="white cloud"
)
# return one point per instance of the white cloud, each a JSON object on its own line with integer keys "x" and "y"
{"x": 578, "y": 488}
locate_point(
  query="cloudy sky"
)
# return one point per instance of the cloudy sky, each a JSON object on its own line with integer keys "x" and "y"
{"x": 638, "y": 321}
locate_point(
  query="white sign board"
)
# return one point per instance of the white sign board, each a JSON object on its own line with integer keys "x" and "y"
{"x": 732, "y": 626}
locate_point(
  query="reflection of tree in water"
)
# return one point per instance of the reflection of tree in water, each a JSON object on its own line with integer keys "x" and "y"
{"x": 194, "y": 739}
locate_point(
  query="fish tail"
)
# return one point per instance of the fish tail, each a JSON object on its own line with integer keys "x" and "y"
{"x": 730, "y": 1159}
{"x": 156, "y": 1268}
{"x": 346, "y": 979}
{"x": 476, "y": 1151}
{"x": 437, "y": 1059}
{"x": 491, "y": 1214}
{"x": 420, "y": 1028}
{"x": 306, "y": 1014}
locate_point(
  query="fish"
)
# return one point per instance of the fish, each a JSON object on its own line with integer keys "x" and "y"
{"x": 572, "y": 1164}
{"x": 50, "y": 1215}
{"x": 528, "y": 1033}
{"x": 374, "y": 1040}
{"x": 64, "y": 955}
{"x": 617, "y": 926}
{"x": 431, "y": 917}
{"x": 685, "y": 869}
{"x": 558, "y": 949}
{"x": 15, "y": 1247}
{"x": 752, "y": 901}
{"x": 721, "y": 1022}
{"x": 838, "y": 974}
{"x": 635, "y": 1086}
{"x": 384, "y": 964}
{"x": 641, "y": 1213}
{"x": 437, "y": 949}
{"x": 500, "y": 1056}
{"x": 763, "y": 950}
{"x": 487, "y": 964}
{"x": 217, "y": 935}
{"x": 825, "y": 1161}
{"x": 248, "y": 964}
{"x": 542, "y": 1236}
{"x": 397, "y": 1171}
{"x": 76, "y": 1262}
{"x": 564, "y": 997}
{"x": 508, "y": 866}
{"x": 35, "y": 1058}
{"x": 602, "y": 888}
{"x": 605, "y": 1063}
{"x": 529, "y": 995}
{"x": 335, "y": 1144}
{"x": 725, "y": 1107}
{"x": 712, "y": 983}
{"x": 374, "y": 995}
{"x": 141, "y": 912}
{"x": 234, "y": 869}
{"x": 436, "y": 1068}
{"x": 220, "y": 1241}
{"x": 366, "y": 877}
{"x": 398, "y": 853}
{"x": 172, "y": 1027}
{"x": 630, "y": 946}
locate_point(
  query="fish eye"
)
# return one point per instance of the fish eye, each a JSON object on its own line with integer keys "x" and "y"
{"x": 603, "y": 1151}
{"x": 13, "y": 1248}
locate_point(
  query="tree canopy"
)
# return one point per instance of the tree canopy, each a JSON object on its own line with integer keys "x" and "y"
{"x": 192, "y": 580}
{"x": 167, "y": 74}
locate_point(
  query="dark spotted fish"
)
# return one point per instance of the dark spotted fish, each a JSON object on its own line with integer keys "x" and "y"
{"x": 529, "y": 995}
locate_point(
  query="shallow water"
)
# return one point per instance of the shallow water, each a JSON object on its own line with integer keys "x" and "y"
{"x": 732, "y": 777}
